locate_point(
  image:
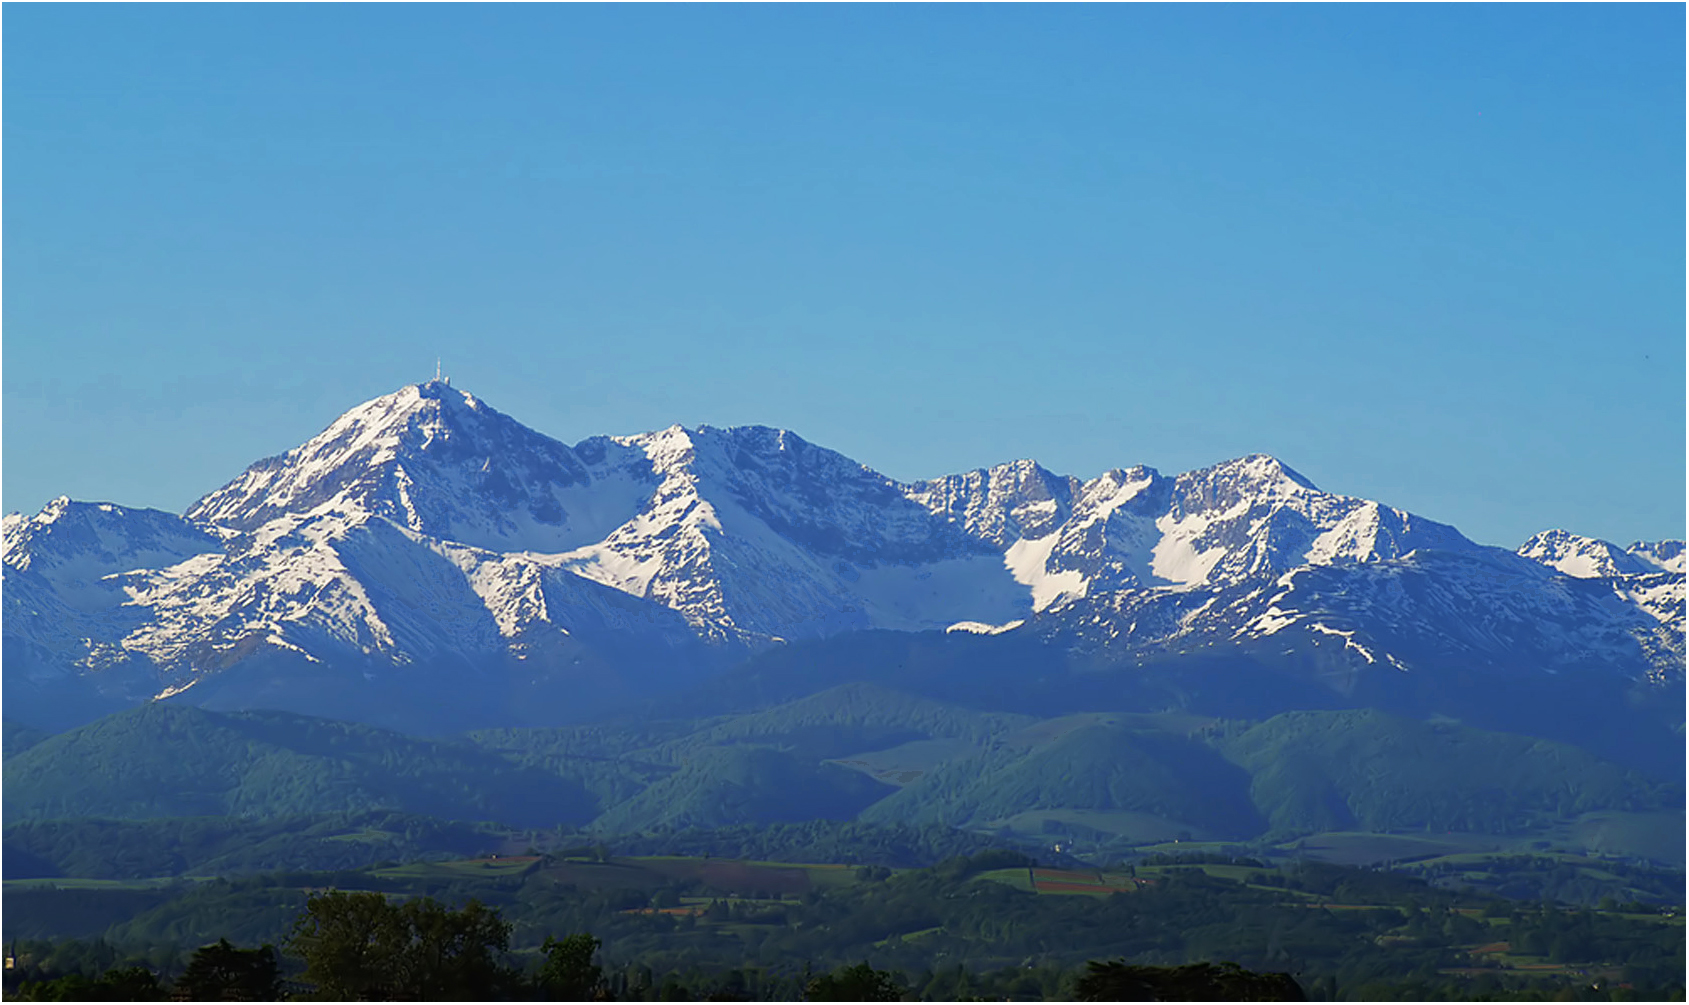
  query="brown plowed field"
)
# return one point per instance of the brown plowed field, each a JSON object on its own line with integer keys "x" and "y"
{"x": 1068, "y": 881}
{"x": 1046, "y": 886}
{"x": 664, "y": 910}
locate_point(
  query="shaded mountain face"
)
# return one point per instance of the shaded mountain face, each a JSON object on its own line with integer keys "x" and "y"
{"x": 426, "y": 552}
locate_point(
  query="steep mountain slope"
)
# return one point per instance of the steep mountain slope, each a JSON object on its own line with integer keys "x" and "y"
{"x": 19, "y": 738}
{"x": 754, "y": 534}
{"x": 1645, "y": 577}
{"x": 1666, "y": 556}
{"x": 1473, "y": 608}
{"x": 73, "y": 546}
{"x": 426, "y": 555}
{"x": 436, "y": 461}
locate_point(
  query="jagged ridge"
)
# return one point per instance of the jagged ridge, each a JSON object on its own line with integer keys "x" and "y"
{"x": 426, "y": 528}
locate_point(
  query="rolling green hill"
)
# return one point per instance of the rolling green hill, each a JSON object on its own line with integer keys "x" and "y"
{"x": 745, "y": 784}
{"x": 849, "y": 718}
{"x": 1097, "y": 766}
{"x": 222, "y": 846}
{"x": 161, "y": 760}
{"x": 1111, "y": 780}
{"x": 1365, "y": 770}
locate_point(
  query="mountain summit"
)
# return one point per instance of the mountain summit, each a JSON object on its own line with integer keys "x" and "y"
{"x": 428, "y": 544}
{"x": 430, "y": 458}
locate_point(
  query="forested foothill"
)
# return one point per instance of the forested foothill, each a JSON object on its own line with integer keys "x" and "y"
{"x": 993, "y": 925}
{"x": 857, "y": 841}
{"x": 1099, "y": 783}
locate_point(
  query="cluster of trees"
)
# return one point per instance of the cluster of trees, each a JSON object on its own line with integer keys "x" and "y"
{"x": 216, "y": 973}
{"x": 1115, "y": 981}
{"x": 359, "y": 947}
{"x": 366, "y": 947}
{"x": 1572, "y": 879}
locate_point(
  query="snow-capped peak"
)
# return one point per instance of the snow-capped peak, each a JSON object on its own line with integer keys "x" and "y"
{"x": 72, "y": 542}
{"x": 1223, "y": 485}
{"x": 428, "y": 457}
{"x": 1666, "y": 556}
{"x": 424, "y": 522}
{"x": 1583, "y": 557}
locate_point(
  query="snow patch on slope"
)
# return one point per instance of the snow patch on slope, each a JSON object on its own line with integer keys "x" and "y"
{"x": 1178, "y": 558}
{"x": 1028, "y": 562}
{"x": 1666, "y": 556}
{"x": 981, "y": 628}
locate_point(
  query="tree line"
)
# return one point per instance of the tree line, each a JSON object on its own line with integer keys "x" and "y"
{"x": 364, "y": 946}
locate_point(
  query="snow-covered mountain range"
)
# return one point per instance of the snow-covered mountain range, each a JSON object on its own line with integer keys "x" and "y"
{"x": 425, "y": 529}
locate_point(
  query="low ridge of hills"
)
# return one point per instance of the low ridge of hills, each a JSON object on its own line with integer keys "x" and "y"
{"x": 857, "y": 752}
{"x": 161, "y": 760}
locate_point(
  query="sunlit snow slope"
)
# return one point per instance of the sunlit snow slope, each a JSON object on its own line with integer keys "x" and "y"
{"x": 424, "y": 529}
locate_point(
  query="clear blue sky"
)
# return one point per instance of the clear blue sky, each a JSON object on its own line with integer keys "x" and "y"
{"x": 1432, "y": 255}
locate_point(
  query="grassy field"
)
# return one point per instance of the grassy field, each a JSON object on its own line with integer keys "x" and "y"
{"x": 62, "y": 883}
{"x": 1051, "y": 730}
{"x": 1219, "y": 870}
{"x": 365, "y": 836}
{"x": 1124, "y": 824}
{"x": 1192, "y": 847}
{"x": 726, "y": 876}
{"x": 906, "y": 763}
{"x": 1020, "y": 879}
{"x": 1073, "y": 881}
{"x": 1490, "y": 870}
{"x": 1063, "y": 881}
{"x": 1360, "y": 848}
{"x": 473, "y": 868}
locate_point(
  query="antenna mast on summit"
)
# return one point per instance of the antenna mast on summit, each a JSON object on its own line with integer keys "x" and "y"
{"x": 436, "y": 369}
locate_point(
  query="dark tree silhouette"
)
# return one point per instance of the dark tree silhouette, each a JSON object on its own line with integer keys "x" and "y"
{"x": 860, "y": 983}
{"x": 125, "y": 984}
{"x": 569, "y": 974}
{"x": 222, "y": 973}
{"x": 361, "y": 947}
{"x": 1117, "y": 981}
